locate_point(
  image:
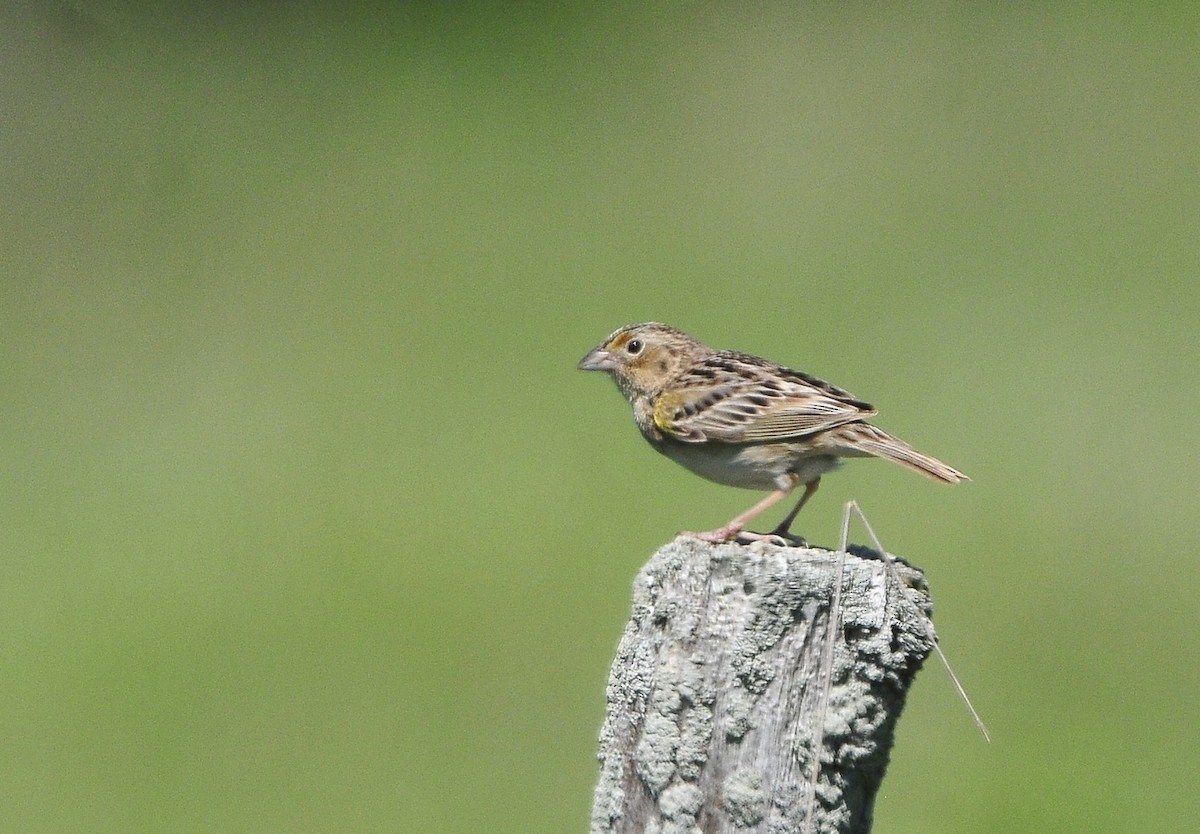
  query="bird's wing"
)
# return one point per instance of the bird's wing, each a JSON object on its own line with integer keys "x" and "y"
{"x": 741, "y": 399}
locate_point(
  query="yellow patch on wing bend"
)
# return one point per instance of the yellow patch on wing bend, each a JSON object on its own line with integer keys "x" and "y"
{"x": 668, "y": 409}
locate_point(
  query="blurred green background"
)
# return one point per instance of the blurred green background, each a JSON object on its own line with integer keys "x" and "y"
{"x": 309, "y": 522}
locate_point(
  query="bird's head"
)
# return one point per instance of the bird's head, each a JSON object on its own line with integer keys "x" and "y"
{"x": 642, "y": 358}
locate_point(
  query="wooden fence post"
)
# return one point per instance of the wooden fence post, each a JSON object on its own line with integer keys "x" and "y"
{"x": 715, "y": 693}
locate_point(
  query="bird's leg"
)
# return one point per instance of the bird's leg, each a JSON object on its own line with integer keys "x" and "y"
{"x": 736, "y": 527}
{"x": 782, "y": 530}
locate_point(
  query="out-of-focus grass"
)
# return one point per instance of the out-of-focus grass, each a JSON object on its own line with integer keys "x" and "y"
{"x": 309, "y": 523}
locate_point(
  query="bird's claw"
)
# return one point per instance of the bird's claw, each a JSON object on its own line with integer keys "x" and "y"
{"x": 789, "y": 539}
{"x": 724, "y": 535}
{"x": 747, "y": 537}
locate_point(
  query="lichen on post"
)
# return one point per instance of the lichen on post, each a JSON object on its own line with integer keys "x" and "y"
{"x": 725, "y": 678}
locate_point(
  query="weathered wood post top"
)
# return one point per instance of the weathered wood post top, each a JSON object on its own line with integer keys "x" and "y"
{"x": 728, "y": 676}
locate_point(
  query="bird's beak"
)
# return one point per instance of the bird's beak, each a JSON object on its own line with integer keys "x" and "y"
{"x": 598, "y": 360}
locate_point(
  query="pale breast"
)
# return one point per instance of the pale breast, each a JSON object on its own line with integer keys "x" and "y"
{"x": 750, "y": 466}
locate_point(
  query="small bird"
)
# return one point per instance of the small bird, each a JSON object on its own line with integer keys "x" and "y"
{"x": 744, "y": 421}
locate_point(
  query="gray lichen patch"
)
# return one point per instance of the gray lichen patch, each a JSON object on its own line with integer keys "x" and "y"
{"x": 695, "y": 736}
{"x": 738, "y": 717}
{"x": 608, "y": 806}
{"x": 681, "y": 803}
{"x": 754, "y": 671}
{"x": 654, "y": 757}
{"x": 745, "y": 800}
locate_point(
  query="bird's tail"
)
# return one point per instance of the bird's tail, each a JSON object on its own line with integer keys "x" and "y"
{"x": 862, "y": 439}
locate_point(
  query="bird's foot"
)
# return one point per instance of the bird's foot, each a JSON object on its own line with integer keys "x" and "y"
{"x": 721, "y": 535}
{"x": 791, "y": 539}
{"x": 745, "y": 536}
{"x": 728, "y": 533}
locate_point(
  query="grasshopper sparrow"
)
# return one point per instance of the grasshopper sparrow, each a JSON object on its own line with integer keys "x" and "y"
{"x": 744, "y": 421}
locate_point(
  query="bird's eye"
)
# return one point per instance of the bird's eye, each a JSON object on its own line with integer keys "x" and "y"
{"x": 634, "y": 347}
